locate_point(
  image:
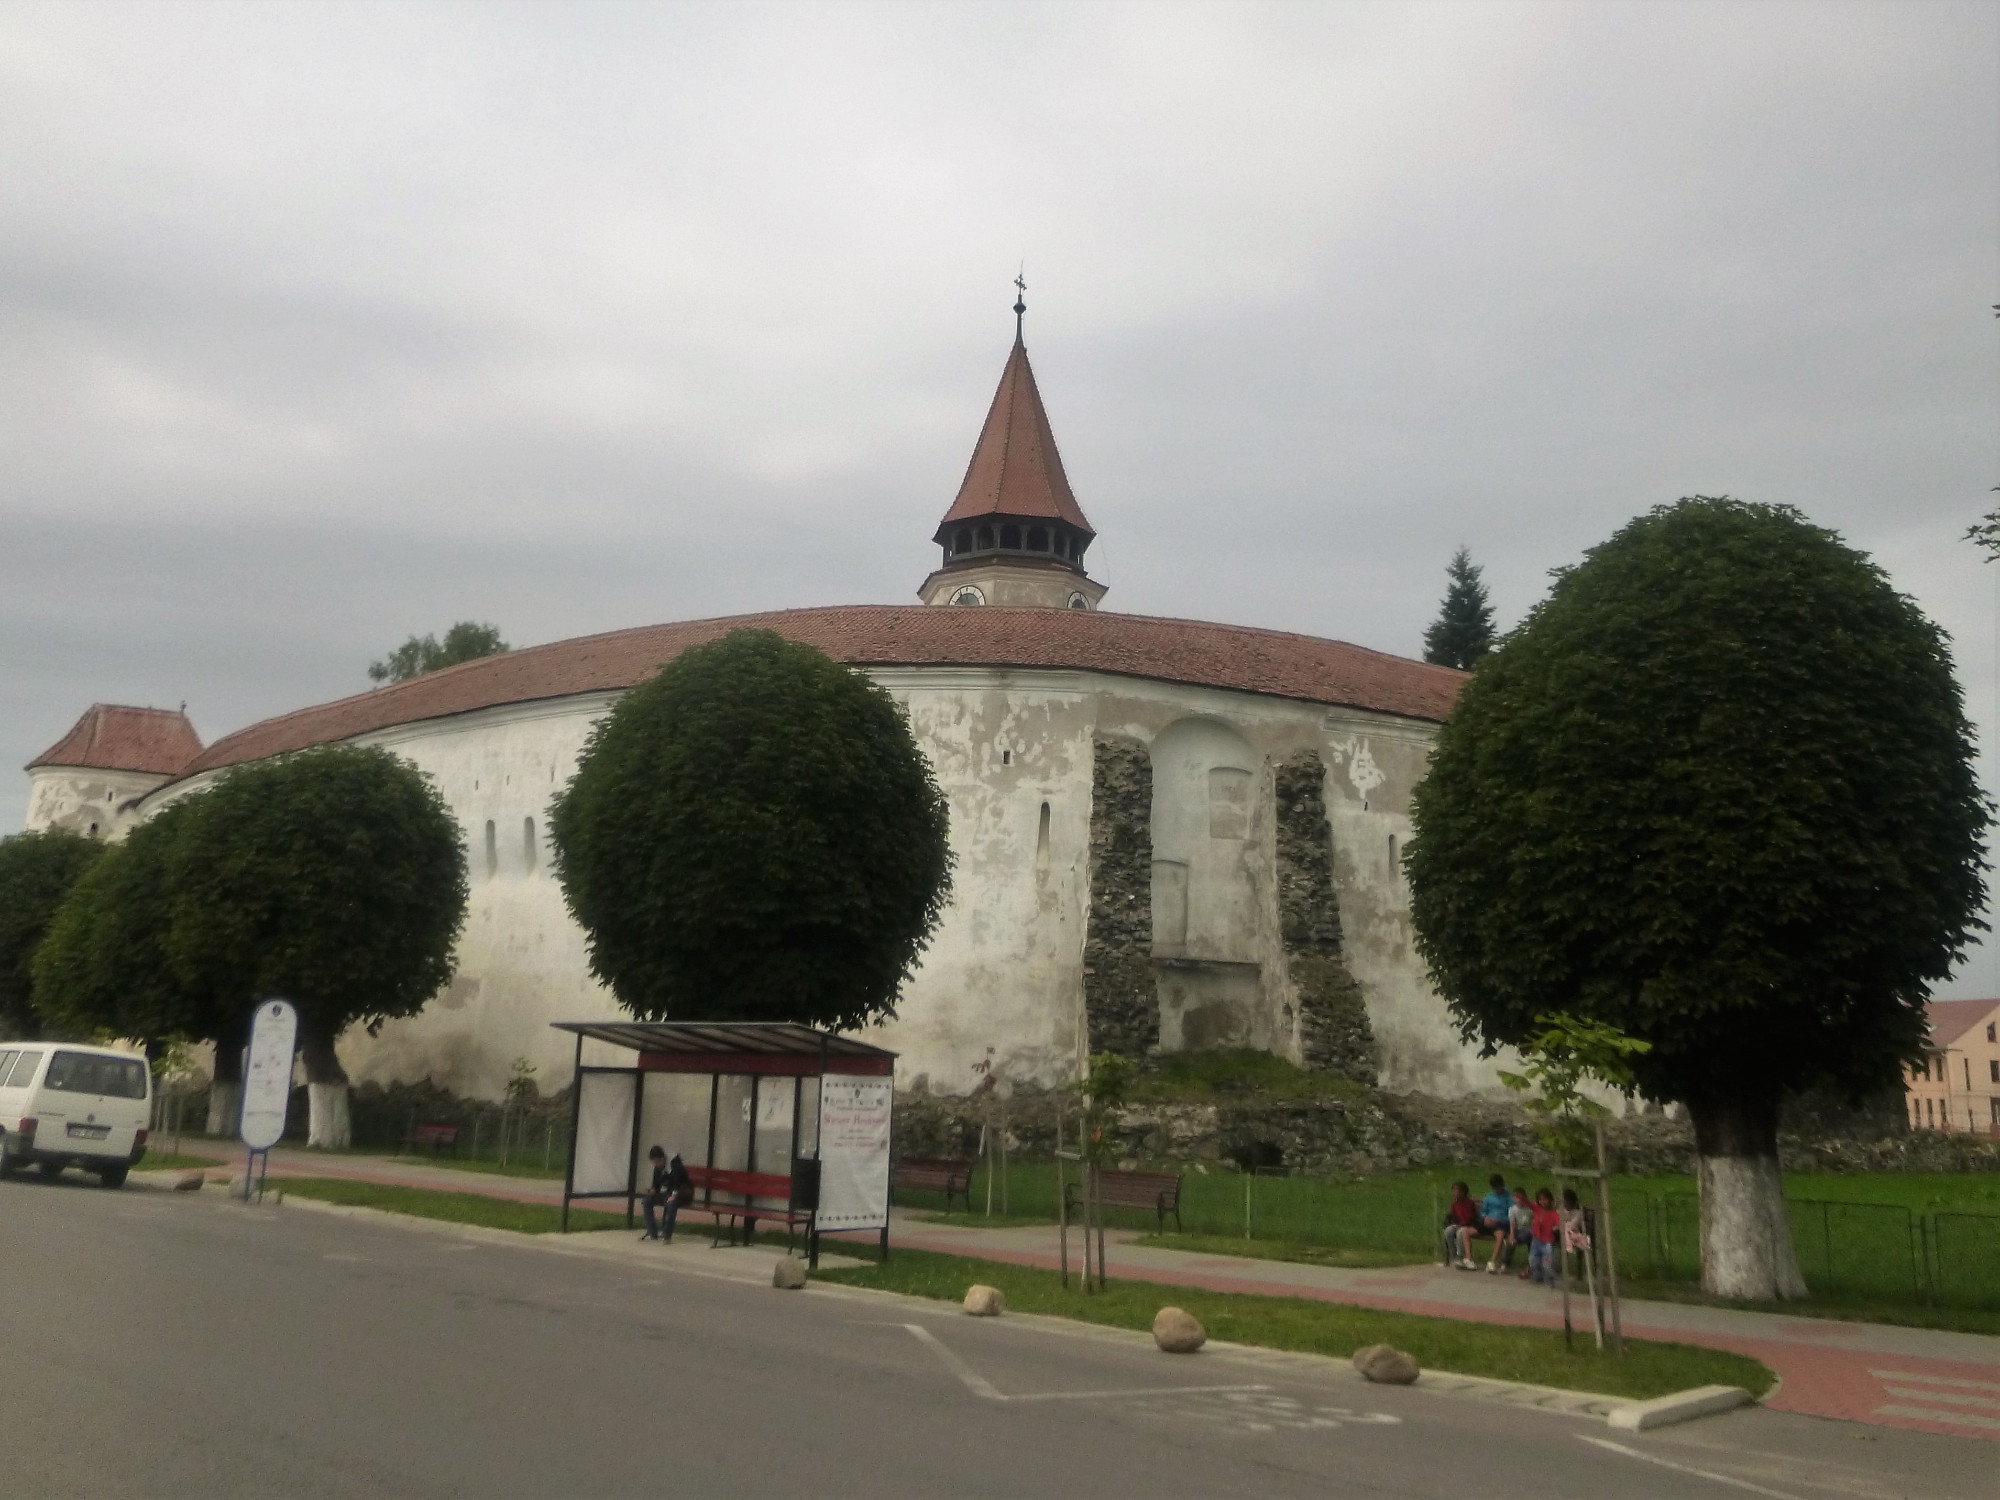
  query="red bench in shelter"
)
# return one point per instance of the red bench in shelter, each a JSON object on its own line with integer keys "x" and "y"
{"x": 738, "y": 1201}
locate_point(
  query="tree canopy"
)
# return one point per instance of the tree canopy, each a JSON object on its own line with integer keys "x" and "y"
{"x": 1463, "y": 631}
{"x": 37, "y": 870}
{"x": 334, "y": 877}
{"x": 465, "y": 641}
{"x": 104, "y": 966}
{"x": 1716, "y": 791}
{"x": 754, "y": 835}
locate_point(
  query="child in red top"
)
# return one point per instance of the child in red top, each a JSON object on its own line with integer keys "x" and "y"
{"x": 1541, "y": 1253}
{"x": 1461, "y": 1222}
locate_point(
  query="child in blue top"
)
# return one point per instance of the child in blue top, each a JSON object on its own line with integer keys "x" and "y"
{"x": 1493, "y": 1210}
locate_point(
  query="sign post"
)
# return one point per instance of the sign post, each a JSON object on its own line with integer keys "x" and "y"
{"x": 267, "y": 1086}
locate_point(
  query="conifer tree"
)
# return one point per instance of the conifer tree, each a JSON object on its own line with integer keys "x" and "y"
{"x": 1463, "y": 630}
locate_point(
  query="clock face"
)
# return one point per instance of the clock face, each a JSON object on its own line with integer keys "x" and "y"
{"x": 968, "y": 595}
{"x": 1078, "y": 601}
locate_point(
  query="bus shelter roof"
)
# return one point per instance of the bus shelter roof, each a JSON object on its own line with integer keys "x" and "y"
{"x": 737, "y": 1046}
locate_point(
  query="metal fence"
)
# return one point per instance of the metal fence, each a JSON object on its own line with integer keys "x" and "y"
{"x": 1877, "y": 1251}
{"x": 1964, "y": 1256}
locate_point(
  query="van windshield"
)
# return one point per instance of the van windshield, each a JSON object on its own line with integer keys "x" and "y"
{"x": 87, "y": 1073}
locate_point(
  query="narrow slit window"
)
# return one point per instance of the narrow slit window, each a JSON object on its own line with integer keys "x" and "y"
{"x": 492, "y": 850}
{"x": 528, "y": 844}
{"x": 1042, "y": 845}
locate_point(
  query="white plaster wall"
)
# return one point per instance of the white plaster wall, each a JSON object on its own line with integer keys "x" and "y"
{"x": 97, "y": 804}
{"x": 1005, "y": 970}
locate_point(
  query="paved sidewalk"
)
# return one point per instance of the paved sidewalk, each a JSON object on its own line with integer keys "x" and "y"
{"x": 1922, "y": 1379}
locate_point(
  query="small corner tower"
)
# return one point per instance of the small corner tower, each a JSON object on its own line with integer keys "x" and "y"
{"x": 92, "y": 780}
{"x": 1015, "y": 535}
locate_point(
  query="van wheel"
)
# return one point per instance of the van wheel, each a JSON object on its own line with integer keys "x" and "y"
{"x": 50, "y": 1170}
{"x": 113, "y": 1177}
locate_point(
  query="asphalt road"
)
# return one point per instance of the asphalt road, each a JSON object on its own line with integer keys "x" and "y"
{"x": 163, "y": 1344}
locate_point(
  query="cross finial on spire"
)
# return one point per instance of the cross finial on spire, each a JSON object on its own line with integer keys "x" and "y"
{"x": 1020, "y": 300}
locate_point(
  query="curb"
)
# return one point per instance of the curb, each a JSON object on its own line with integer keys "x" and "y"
{"x": 1682, "y": 1406}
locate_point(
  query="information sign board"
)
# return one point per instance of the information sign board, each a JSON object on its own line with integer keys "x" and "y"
{"x": 854, "y": 1152}
{"x": 267, "y": 1075}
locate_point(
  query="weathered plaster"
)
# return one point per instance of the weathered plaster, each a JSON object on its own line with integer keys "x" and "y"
{"x": 1006, "y": 968}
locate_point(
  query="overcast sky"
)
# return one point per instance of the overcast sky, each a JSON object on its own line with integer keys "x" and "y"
{"x": 325, "y": 324}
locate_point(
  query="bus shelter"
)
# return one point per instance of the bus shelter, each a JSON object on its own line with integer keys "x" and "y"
{"x": 774, "y": 1121}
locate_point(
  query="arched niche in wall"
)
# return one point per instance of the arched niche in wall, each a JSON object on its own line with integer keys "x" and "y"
{"x": 1206, "y": 785}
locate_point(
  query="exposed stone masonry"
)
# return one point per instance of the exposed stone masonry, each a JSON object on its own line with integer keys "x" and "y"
{"x": 1334, "y": 1035}
{"x": 1120, "y": 999}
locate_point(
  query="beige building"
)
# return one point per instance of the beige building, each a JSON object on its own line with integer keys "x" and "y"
{"x": 1957, "y": 1087}
{"x": 1168, "y": 833}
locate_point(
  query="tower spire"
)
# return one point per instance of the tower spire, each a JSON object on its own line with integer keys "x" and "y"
{"x": 1015, "y": 534}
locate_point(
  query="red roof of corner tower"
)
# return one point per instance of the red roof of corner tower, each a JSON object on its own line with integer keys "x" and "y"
{"x": 116, "y": 737}
{"x": 1015, "y": 468}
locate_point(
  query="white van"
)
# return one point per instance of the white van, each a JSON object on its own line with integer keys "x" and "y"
{"x": 63, "y": 1104}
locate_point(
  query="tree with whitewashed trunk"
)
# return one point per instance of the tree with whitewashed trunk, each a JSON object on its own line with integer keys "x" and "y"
{"x": 1715, "y": 791}
{"x": 333, "y": 878}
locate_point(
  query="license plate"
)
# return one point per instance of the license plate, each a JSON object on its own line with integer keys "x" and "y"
{"x": 89, "y": 1132}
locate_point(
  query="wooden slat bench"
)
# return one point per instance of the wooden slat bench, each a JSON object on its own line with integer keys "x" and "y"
{"x": 935, "y": 1175}
{"x": 433, "y": 1138}
{"x": 740, "y": 1206}
{"x": 1158, "y": 1191}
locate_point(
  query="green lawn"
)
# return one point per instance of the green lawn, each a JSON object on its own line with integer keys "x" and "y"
{"x": 166, "y": 1161}
{"x": 1528, "y": 1354}
{"x": 455, "y": 1208}
{"x": 1864, "y": 1239}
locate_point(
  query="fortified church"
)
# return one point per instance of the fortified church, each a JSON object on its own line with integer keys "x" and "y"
{"x": 1169, "y": 834}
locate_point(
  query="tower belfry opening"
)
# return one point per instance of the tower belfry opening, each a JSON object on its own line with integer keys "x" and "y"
{"x": 1015, "y": 534}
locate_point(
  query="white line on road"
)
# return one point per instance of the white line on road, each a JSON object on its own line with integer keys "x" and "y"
{"x": 1741, "y": 1484}
{"x": 979, "y": 1385}
{"x": 1964, "y": 1385}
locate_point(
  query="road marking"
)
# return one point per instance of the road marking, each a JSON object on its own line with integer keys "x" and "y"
{"x": 980, "y": 1386}
{"x": 1947, "y": 1397}
{"x": 1150, "y": 1390}
{"x": 1741, "y": 1484}
{"x": 1927, "y": 1414}
{"x": 1966, "y": 1385}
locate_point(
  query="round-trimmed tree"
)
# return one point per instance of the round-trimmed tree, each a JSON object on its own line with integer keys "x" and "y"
{"x": 1716, "y": 791}
{"x": 753, "y": 835}
{"x": 37, "y": 872}
{"x": 335, "y": 878}
{"x": 104, "y": 966}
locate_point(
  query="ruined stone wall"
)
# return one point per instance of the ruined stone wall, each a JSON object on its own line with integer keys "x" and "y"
{"x": 1121, "y": 1005}
{"x": 1355, "y": 1131}
{"x": 1334, "y": 1035}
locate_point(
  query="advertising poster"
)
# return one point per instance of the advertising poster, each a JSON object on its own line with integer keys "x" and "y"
{"x": 854, "y": 1152}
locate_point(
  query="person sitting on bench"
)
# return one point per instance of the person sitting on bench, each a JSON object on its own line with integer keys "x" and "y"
{"x": 1493, "y": 1211}
{"x": 669, "y": 1178}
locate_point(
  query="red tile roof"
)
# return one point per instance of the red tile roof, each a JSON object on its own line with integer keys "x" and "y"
{"x": 1186, "y": 651}
{"x": 1015, "y": 469}
{"x": 115, "y": 737}
{"x": 1951, "y": 1019}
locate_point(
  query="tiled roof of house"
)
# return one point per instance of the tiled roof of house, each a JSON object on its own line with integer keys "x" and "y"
{"x": 1184, "y": 651}
{"x": 1951, "y": 1019}
{"x": 1015, "y": 469}
{"x": 116, "y": 737}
